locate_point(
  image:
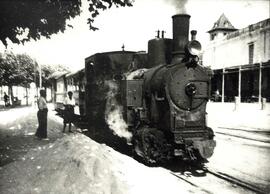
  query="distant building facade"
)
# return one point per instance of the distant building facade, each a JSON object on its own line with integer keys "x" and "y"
{"x": 59, "y": 86}
{"x": 240, "y": 60}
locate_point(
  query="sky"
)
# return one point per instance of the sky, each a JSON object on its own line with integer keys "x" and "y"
{"x": 134, "y": 26}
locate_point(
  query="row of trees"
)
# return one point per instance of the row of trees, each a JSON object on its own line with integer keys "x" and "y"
{"x": 22, "y": 70}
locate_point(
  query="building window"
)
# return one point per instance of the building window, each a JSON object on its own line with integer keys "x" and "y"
{"x": 250, "y": 53}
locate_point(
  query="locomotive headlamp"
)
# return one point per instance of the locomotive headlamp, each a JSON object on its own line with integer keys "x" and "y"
{"x": 194, "y": 47}
{"x": 190, "y": 89}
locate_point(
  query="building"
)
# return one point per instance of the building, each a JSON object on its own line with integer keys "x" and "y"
{"x": 59, "y": 87}
{"x": 240, "y": 60}
{"x": 65, "y": 81}
{"x": 221, "y": 28}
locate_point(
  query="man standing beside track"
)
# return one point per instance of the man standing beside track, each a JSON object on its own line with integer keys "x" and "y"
{"x": 42, "y": 115}
{"x": 69, "y": 105}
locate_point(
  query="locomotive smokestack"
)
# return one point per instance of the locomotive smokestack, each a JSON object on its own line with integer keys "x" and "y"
{"x": 180, "y": 36}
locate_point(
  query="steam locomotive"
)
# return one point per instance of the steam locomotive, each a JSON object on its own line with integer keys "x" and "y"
{"x": 161, "y": 96}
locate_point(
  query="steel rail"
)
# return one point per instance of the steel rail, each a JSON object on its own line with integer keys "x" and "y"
{"x": 242, "y": 137}
{"x": 191, "y": 183}
{"x": 225, "y": 177}
{"x": 235, "y": 181}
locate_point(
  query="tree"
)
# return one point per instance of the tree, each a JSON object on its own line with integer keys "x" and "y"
{"x": 16, "y": 70}
{"x": 47, "y": 71}
{"x": 25, "y": 65}
{"x": 36, "y": 18}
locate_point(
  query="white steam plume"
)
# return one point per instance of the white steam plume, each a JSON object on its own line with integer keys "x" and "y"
{"x": 180, "y": 5}
{"x": 113, "y": 113}
{"x": 137, "y": 74}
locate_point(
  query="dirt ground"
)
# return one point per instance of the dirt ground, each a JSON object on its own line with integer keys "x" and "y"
{"x": 17, "y": 129}
{"x": 71, "y": 162}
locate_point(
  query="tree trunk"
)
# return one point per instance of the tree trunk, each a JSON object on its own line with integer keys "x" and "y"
{"x": 26, "y": 96}
{"x": 1, "y": 91}
{"x": 10, "y": 92}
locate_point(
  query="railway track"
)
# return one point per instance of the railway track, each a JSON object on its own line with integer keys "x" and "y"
{"x": 245, "y": 134}
{"x": 212, "y": 181}
{"x": 236, "y": 181}
{"x": 182, "y": 177}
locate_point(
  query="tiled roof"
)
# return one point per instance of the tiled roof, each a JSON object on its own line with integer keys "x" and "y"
{"x": 58, "y": 74}
{"x": 75, "y": 72}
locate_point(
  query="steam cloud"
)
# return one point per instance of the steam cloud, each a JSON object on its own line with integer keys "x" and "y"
{"x": 113, "y": 113}
{"x": 135, "y": 74}
{"x": 180, "y": 5}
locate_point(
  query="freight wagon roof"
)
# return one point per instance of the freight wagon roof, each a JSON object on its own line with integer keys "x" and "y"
{"x": 108, "y": 53}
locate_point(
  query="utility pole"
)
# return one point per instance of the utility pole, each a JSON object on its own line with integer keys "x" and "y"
{"x": 40, "y": 79}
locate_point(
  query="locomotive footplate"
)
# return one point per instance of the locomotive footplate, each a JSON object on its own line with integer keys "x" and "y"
{"x": 185, "y": 136}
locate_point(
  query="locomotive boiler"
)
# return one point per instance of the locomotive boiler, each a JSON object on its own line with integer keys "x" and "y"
{"x": 162, "y": 94}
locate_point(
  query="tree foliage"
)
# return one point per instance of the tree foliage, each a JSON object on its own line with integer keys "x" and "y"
{"x": 21, "y": 70}
{"x": 48, "y": 71}
{"x": 37, "y": 18}
{"x": 16, "y": 69}
{"x": 95, "y": 6}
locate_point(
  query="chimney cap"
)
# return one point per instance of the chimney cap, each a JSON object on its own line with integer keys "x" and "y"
{"x": 181, "y": 15}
